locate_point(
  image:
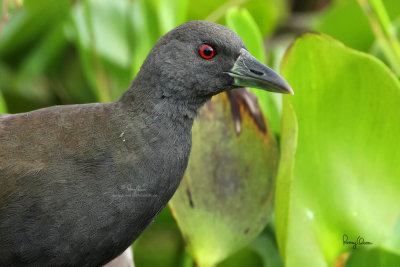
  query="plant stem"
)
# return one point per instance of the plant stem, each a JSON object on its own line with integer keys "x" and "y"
{"x": 383, "y": 30}
{"x": 103, "y": 92}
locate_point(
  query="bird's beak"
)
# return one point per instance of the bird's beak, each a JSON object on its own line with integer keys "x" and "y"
{"x": 249, "y": 72}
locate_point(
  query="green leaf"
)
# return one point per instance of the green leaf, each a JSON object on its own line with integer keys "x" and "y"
{"x": 345, "y": 171}
{"x": 225, "y": 197}
{"x": 373, "y": 257}
{"x": 285, "y": 174}
{"x": 241, "y": 21}
{"x": 243, "y": 24}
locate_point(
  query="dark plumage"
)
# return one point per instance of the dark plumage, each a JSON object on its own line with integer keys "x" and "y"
{"x": 79, "y": 183}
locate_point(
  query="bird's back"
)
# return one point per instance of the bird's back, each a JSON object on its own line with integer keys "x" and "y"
{"x": 78, "y": 181}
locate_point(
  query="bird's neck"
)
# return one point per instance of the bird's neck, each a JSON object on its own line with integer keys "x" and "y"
{"x": 150, "y": 95}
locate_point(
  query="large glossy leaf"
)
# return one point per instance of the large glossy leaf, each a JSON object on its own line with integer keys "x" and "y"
{"x": 244, "y": 24}
{"x": 225, "y": 198}
{"x": 285, "y": 174}
{"x": 373, "y": 257}
{"x": 343, "y": 178}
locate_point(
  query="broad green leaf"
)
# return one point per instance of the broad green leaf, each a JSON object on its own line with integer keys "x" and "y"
{"x": 372, "y": 258}
{"x": 285, "y": 174}
{"x": 345, "y": 171}
{"x": 225, "y": 197}
{"x": 241, "y": 21}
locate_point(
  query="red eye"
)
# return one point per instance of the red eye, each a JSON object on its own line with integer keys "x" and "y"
{"x": 207, "y": 51}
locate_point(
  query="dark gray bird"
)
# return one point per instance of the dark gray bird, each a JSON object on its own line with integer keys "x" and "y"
{"x": 79, "y": 183}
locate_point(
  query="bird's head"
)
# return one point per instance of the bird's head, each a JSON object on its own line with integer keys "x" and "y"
{"x": 199, "y": 59}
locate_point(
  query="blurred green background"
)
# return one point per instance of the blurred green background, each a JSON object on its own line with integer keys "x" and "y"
{"x": 336, "y": 140}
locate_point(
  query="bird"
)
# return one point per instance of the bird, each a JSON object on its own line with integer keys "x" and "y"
{"x": 79, "y": 183}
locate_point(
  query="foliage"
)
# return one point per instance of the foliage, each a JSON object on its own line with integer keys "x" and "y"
{"x": 336, "y": 137}
{"x": 206, "y": 203}
{"x": 346, "y": 135}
